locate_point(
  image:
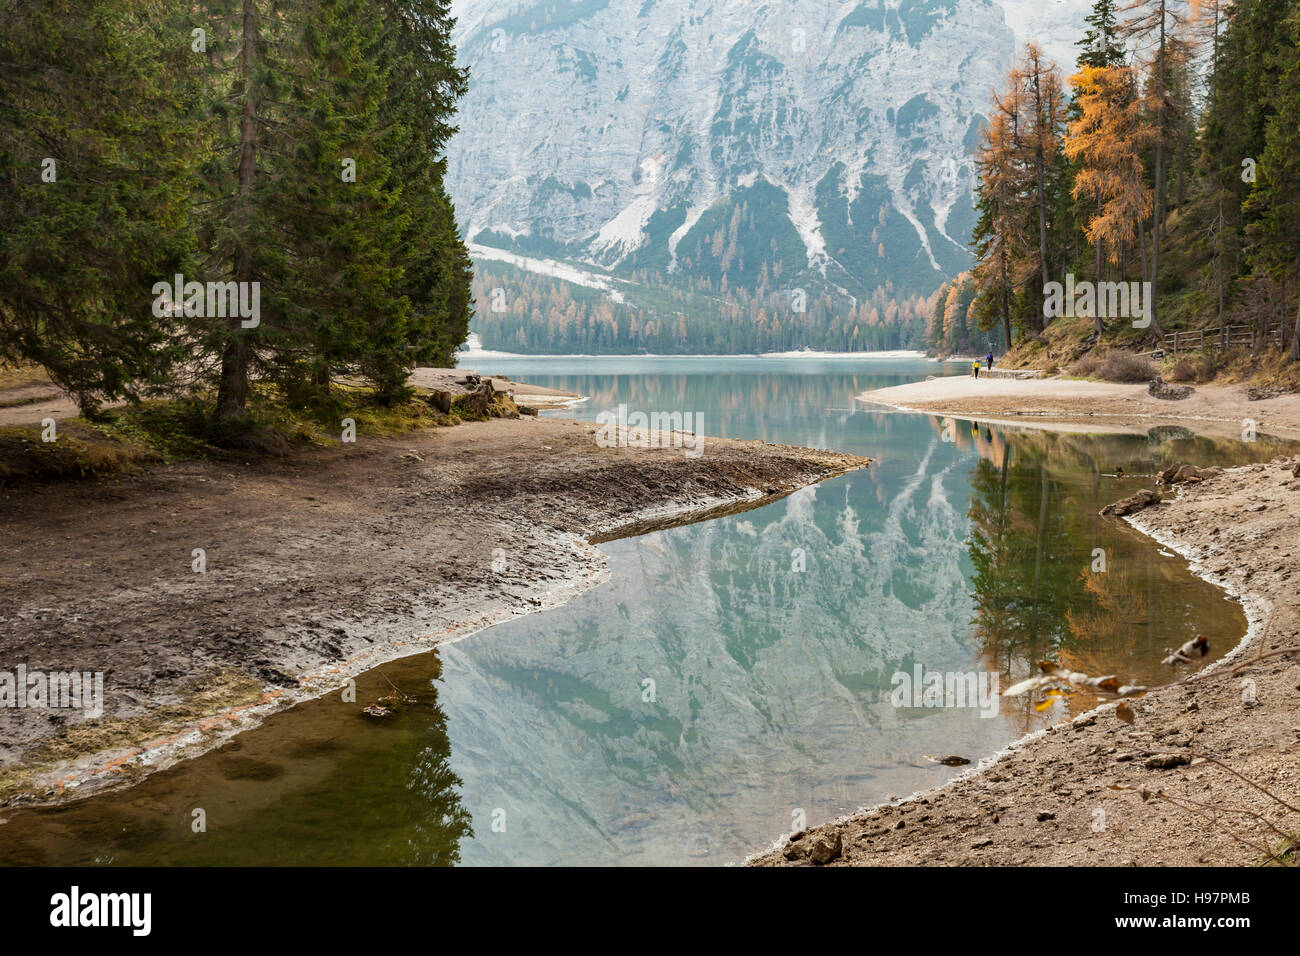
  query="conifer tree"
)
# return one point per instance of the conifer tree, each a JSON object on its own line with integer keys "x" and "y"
{"x": 1275, "y": 200}
{"x": 1101, "y": 45}
{"x": 94, "y": 208}
{"x": 1157, "y": 25}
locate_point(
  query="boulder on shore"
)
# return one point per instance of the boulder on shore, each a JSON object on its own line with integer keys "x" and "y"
{"x": 1179, "y": 474}
{"x": 1159, "y": 388}
{"x": 826, "y": 848}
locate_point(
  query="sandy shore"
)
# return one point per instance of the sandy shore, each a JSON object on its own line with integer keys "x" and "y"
{"x": 317, "y": 567}
{"x": 1068, "y": 404}
{"x": 1047, "y": 800}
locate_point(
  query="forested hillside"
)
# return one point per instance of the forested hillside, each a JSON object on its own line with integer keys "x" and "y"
{"x": 519, "y": 311}
{"x": 212, "y": 196}
{"x": 1169, "y": 154}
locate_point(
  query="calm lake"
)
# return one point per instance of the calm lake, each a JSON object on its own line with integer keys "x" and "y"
{"x": 734, "y": 677}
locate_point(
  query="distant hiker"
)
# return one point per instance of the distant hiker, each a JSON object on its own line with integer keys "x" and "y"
{"x": 989, "y": 359}
{"x": 975, "y": 368}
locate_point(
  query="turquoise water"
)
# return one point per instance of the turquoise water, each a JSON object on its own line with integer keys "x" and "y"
{"x": 733, "y": 677}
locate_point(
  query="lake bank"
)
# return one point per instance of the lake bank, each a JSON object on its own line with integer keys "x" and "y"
{"x": 28, "y": 397}
{"x": 213, "y": 594}
{"x": 1050, "y": 799}
{"x": 1067, "y": 404}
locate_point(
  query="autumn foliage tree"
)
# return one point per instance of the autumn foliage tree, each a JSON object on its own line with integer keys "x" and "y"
{"x": 1106, "y": 141}
{"x": 1179, "y": 155}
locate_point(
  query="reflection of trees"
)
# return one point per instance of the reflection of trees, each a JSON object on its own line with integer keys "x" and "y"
{"x": 1116, "y": 604}
{"x": 440, "y": 820}
{"x": 1034, "y": 527}
{"x": 1019, "y": 544}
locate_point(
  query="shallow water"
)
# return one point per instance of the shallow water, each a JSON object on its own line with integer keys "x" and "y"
{"x": 734, "y": 676}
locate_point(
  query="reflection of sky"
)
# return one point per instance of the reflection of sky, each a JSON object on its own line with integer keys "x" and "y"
{"x": 771, "y": 685}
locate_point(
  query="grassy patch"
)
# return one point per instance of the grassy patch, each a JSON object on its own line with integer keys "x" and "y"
{"x": 124, "y": 439}
{"x": 1114, "y": 366}
{"x": 78, "y": 451}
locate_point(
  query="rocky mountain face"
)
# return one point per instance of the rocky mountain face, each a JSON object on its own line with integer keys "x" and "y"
{"x": 823, "y": 144}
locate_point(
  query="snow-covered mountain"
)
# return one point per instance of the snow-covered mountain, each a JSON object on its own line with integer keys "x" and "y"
{"x": 782, "y": 143}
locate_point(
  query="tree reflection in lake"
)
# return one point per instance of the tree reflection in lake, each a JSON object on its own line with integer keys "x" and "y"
{"x": 1055, "y": 580}
{"x": 298, "y": 790}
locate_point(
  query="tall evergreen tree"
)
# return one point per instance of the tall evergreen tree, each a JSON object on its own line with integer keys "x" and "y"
{"x": 1275, "y": 200}
{"x": 94, "y": 190}
{"x": 1101, "y": 45}
{"x": 1100, "y": 48}
{"x": 1157, "y": 25}
{"x": 424, "y": 87}
{"x": 334, "y": 200}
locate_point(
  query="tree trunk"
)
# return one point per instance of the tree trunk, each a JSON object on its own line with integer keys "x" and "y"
{"x": 1096, "y": 309}
{"x": 1006, "y": 298}
{"x": 1218, "y": 244}
{"x": 1160, "y": 178}
{"x": 1223, "y": 331}
{"x": 1041, "y": 162}
{"x": 232, "y": 392}
{"x": 1142, "y": 248}
{"x": 1295, "y": 339}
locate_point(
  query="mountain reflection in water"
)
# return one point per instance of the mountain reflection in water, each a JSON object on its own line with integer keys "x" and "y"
{"x": 733, "y": 677}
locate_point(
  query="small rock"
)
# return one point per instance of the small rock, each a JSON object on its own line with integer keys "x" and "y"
{"x": 1044, "y": 815}
{"x": 952, "y": 760}
{"x": 1167, "y": 761}
{"x": 826, "y": 848}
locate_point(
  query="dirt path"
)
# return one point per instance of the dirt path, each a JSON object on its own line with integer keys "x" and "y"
{"x": 1047, "y": 801}
{"x": 316, "y": 567}
{"x": 1217, "y": 410}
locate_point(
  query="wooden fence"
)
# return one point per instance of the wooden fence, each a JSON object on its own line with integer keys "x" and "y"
{"x": 1234, "y": 337}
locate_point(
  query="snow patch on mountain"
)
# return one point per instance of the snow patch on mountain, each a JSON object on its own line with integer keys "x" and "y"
{"x": 638, "y": 133}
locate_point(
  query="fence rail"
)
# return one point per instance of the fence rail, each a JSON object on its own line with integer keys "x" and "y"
{"x": 1233, "y": 337}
